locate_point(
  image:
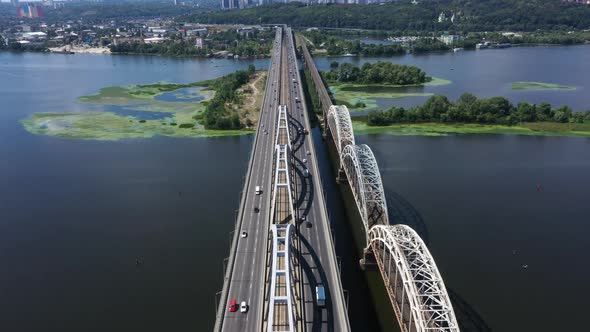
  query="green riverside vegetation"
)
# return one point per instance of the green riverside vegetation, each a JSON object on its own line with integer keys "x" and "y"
{"x": 255, "y": 44}
{"x": 217, "y": 115}
{"x": 377, "y": 73}
{"x": 470, "y": 109}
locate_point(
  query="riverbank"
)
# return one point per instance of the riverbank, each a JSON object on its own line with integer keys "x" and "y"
{"x": 445, "y": 129}
{"x": 144, "y": 111}
{"x": 80, "y": 50}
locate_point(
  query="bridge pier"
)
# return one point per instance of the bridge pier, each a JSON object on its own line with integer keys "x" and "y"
{"x": 368, "y": 261}
{"x": 341, "y": 176}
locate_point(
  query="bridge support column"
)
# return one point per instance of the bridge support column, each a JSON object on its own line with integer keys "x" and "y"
{"x": 368, "y": 261}
{"x": 341, "y": 176}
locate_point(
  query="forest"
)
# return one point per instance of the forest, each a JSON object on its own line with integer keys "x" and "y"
{"x": 403, "y": 16}
{"x": 470, "y": 109}
{"x": 256, "y": 44}
{"x": 217, "y": 114}
{"x": 376, "y": 73}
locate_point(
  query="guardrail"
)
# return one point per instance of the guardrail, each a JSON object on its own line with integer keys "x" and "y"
{"x": 232, "y": 255}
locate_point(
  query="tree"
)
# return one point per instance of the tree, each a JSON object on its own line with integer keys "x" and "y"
{"x": 434, "y": 108}
{"x": 544, "y": 112}
{"x": 562, "y": 114}
{"x": 526, "y": 112}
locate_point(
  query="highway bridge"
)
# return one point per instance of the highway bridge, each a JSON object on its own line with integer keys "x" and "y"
{"x": 282, "y": 249}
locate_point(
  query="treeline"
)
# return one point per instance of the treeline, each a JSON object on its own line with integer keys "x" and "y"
{"x": 403, "y": 16}
{"x": 18, "y": 47}
{"x": 376, "y": 73}
{"x": 171, "y": 48}
{"x": 338, "y": 46}
{"x": 470, "y": 109}
{"x": 122, "y": 10}
{"x": 257, "y": 44}
{"x": 217, "y": 114}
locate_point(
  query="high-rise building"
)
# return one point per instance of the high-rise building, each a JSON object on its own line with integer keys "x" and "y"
{"x": 14, "y": 2}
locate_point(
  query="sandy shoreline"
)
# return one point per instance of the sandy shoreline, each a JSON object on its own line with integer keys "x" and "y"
{"x": 81, "y": 50}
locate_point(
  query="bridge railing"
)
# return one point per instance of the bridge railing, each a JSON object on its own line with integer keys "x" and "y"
{"x": 325, "y": 99}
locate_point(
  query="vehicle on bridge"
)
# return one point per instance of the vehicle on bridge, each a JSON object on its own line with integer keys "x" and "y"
{"x": 233, "y": 305}
{"x": 258, "y": 190}
{"x": 320, "y": 296}
{"x": 244, "y": 307}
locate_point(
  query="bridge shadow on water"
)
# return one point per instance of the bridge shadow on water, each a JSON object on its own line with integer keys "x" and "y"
{"x": 469, "y": 320}
{"x": 401, "y": 211}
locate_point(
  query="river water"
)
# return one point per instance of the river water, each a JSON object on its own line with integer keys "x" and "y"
{"x": 75, "y": 216}
{"x": 491, "y": 72}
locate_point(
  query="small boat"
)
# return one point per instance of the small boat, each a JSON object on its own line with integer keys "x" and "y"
{"x": 457, "y": 49}
{"x": 349, "y": 54}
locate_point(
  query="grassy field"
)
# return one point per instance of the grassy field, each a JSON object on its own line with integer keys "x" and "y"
{"x": 178, "y": 120}
{"x": 352, "y": 94}
{"x": 440, "y": 129}
{"x": 536, "y": 86}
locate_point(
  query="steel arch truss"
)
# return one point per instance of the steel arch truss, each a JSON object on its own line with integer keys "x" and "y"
{"x": 341, "y": 127}
{"x": 282, "y": 309}
{"x": 413, "y": 282}
{"x": 363, "y": 176}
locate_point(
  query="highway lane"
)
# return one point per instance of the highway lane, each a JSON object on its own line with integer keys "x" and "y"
{"x": 248, "y": 263}
{"x": 319, "y": 261}
{"x": 247, "y": 275}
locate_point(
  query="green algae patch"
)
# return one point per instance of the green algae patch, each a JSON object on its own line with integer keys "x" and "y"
{"x": 359, "y": 97}
{"x": 130, "y": 113}
{"x": 107, "y": 126}
{"x": 538, "y": 86}
{"x": 441, "y": 129}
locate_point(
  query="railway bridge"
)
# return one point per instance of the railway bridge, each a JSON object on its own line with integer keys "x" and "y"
{"x": 414, "y": 285}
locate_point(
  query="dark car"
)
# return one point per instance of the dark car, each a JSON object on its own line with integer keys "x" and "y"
{"x": 256, "y": 209}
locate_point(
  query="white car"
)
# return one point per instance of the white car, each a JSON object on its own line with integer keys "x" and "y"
{"x": 243, "y": 307}
{"x": 244, "y": 234}
{"x": 304, "y": 160}
{"x": 308, "y": 153}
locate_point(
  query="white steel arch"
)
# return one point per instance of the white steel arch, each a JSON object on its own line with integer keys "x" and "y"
{"x": 363, "y": 176}
{"x": 281, "y": 295}
{"x": 422, "y": 287}
{"x": 341, "y": 127}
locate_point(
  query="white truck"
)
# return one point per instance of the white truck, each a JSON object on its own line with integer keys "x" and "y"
{"x": 258, "y": 190}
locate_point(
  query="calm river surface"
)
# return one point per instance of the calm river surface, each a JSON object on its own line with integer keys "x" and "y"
{"x": 489, "y": 73}
{"x": 75, "y": 215}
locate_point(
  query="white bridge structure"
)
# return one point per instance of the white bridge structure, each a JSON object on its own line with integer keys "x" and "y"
{"x": 282, "y": 307}
{"x": 413, "y": 282}
{"x": 281, "y": 314}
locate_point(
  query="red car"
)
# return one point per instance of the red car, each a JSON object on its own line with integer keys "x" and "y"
{"x": 233, "y": 305}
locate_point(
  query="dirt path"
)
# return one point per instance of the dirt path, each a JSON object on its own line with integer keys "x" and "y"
{"x": 252, "y": 91}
